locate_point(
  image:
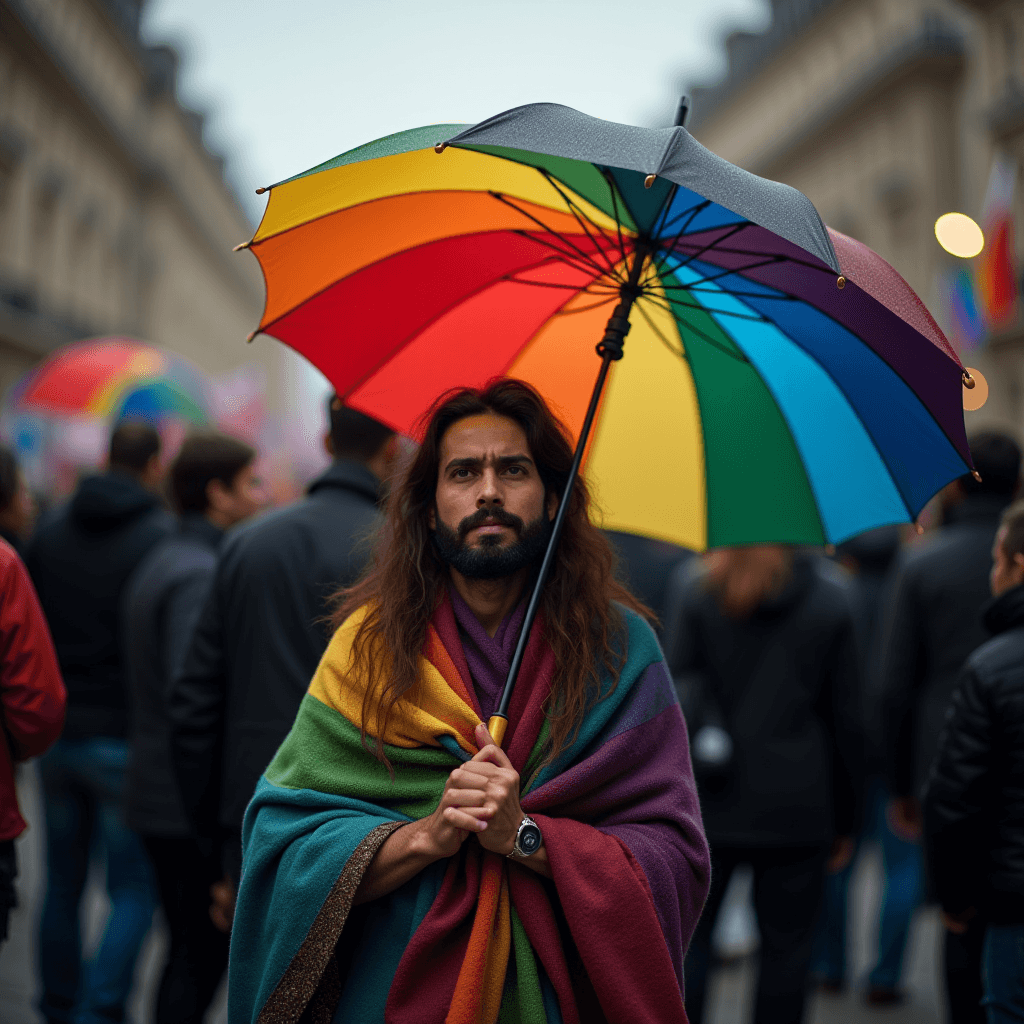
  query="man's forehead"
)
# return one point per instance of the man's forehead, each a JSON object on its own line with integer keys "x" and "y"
{"x": 483, "y": 436}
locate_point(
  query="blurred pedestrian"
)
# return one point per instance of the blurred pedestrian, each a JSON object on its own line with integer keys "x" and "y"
{"x": 80, "y": 559}
{"x": 933, "y": 624}
{"x": 213, "y": 486}
{"x": 762, "y": 644}
{"x": 32, "y": 702}
{"x": 869, "y": 559}
{"x": 646, "y": 566}
{"x": 974, "y": 800}
{"x": 264, "y": 628}
{"x": 17, "y": 506}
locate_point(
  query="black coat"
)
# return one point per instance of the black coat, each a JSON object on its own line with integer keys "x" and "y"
{"x": 81, "y": 558}
{"x": 784, "y": 683}
{"x": 261, "y": 635}
{"x": 933, "y": 623}
{"x": 974, "y": 800}
{"x": 162, "y": 605}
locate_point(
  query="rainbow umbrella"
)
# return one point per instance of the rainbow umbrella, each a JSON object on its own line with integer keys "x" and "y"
{"x": 116, "y": 378}
{"x": 780, "y": 382}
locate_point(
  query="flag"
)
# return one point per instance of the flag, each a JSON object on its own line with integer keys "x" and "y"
{"x": 995, "y": 267}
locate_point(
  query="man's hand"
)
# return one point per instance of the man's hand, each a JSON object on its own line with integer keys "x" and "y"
{"x": 904, "y": 816}
{"x": 487, "y": 800}
{"x": 222, "y": 907}
{"x": 958, "y": 923}
{"x": 841, "y": 854}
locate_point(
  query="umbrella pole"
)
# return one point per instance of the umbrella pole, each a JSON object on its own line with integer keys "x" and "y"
{"x": 610, "y": 350}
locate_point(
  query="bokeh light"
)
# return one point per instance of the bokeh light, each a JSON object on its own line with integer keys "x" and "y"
{"x": 959, "y": 235}
{"x": 976, "y": 397}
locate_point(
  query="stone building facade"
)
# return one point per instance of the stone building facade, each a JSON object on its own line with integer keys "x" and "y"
{"x": 887, "y": 114}
{"x": 114, "y": 217}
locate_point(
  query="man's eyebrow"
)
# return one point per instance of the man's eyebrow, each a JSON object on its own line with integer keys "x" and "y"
{"x": 472, "y": 461}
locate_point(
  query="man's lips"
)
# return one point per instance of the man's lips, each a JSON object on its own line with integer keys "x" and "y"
{"x": 490, "y": 528}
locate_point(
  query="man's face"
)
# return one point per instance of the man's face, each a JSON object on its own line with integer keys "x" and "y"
{"x": 246, "y": 496}
{"x": 491, "y": 515}
{"x": 1007, "y": 572}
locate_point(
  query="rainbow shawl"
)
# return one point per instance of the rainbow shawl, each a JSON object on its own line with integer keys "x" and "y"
{"x": 475, "y": 938}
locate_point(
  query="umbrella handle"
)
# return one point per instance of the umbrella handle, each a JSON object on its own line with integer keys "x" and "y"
{"x": 610, "y": 350}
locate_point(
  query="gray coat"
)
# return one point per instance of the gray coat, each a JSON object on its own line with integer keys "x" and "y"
{"x": 162, "y": 605}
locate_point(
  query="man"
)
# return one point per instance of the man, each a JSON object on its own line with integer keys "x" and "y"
{"x": 974, "y": 802}
{"x": 263, "y": 630}
{"x": 213, "y": 486}
{"x": 558, "y": 880}
{"x": 934, "y": 623}
{"x": 762, "y": 645}
{"x": 32, "y": 701}
{"x": 17, "y": 506}
{"x": 80, "y": 560}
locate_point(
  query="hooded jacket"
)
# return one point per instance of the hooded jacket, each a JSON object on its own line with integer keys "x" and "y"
{"x": 31, "y": 691}
{"x": 974, "y": 801}
{"x": 80, "y": 560}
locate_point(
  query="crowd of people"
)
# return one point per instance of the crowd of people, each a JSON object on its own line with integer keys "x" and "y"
{"x": 159, "y": 632}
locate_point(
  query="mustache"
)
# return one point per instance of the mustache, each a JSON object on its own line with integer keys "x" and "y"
{"x": 488, "y": 517}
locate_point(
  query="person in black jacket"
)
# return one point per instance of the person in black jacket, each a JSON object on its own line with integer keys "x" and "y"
{"x": 974, "y": 801}
{"x": 213, "y": 486}
{"x": 762, "y": 644}
{"x": 933, "y": 623}
{"x": 17, "y": 506}
{"x": 264, "y": 628}
{"x": 80, "y": 560}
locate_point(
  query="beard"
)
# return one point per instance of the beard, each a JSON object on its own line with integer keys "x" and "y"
{"x": 491, "y": 560}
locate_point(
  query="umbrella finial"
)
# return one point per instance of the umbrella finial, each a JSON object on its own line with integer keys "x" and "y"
{"x": 440, "y": 147}
{"x": 649, "y": 180}
{"x": 976, "y": 475}
{"x": 840, "y": 282}
{"x": 969, "y": 381}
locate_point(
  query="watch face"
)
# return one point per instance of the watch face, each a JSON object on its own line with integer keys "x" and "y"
{"x": 529, "y": 840}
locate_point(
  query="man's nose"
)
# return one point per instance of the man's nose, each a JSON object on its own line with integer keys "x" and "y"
{"x": 490, "y": 491}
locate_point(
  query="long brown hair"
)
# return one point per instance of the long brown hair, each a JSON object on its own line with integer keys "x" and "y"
{"x": 406, "y": 579}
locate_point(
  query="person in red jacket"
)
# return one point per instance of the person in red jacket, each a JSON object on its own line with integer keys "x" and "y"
{"x": 31, "y": 704}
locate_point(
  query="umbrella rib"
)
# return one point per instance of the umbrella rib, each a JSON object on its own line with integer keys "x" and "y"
{"x": 501, "y": 197}
{"x": 661, "y": 337}
{"x": 735, "y": 229}
{"x": 565, "y": 258}
{"x": 692, "y": 216}
{"x": 606, "y": 174}
{"x": 711, "y": 278}
{"x": 582, "y": 220}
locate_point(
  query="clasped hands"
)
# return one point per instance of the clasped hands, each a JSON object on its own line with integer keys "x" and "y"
{"x": 480, "y": 797}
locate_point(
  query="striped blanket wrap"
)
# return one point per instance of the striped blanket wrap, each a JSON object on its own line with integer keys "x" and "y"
{"x": 475, "y": 938}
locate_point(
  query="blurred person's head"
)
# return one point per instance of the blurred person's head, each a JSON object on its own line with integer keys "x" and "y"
{"x": 1008, "y": 551}
{"x": 17, "y": 506}
{"x": 354, "y": 435}
{"x": 743, "y": 578}
{"x": 997, "y": 459}
{"x": 135, "y": 449}
{"x": 213, "y": 475}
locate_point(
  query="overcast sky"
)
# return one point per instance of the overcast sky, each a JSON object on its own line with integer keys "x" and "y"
{"x": 288, "y": 83}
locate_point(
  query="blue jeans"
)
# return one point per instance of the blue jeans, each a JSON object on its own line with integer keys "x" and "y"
{"x": 903, "y": 886}
{"x": 1002, "y": 972}
{"x": 83, "y": 786}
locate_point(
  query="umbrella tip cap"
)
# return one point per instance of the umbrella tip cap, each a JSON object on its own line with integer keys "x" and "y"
{"x": 250, "y": 336}
{"x": 919, "y": 528}
{"x": 969, "y": 381}
{"x": 440, "y": 147}
{"x": 840, "y": 282}
{"x": 649, "y": 180}
{"x": 260, "y": 191}
{"x": 976, "y": 475}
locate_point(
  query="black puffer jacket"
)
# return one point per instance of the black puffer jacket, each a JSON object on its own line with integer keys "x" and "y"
{"x": 974, "y": 803}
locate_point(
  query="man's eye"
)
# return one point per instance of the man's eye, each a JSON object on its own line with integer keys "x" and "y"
{"x": 517, "y": 470}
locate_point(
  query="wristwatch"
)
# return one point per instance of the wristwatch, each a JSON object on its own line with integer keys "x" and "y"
{"x": 528, "y": 838}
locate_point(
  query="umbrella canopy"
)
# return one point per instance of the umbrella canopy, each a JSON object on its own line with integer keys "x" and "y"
{"x": 116, "y": 377}
{"x": 780, "y": 382}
